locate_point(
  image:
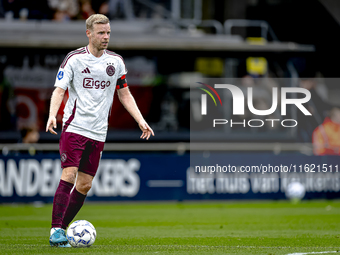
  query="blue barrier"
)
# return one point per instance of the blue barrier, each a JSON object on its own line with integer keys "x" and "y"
{"x": 168, "y": 176}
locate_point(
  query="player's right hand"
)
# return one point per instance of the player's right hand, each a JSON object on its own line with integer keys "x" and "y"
{"x": 51, "y": 123}
{"x": 147, "y": 130}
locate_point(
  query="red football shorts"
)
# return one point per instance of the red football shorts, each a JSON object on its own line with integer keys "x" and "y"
{"x": 79, "y": 151}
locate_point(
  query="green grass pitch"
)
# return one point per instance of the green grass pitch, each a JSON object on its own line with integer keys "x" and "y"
{"x": 182, "y": 228}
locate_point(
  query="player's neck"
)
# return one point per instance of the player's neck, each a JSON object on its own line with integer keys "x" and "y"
{"x": 95, "y": 52}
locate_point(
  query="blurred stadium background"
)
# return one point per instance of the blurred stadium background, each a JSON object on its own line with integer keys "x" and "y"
{"x": 167, "y": 46}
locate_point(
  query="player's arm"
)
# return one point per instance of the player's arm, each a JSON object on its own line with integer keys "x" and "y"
{"x": 57, "y": 98}
{"x": 130, "y": 105}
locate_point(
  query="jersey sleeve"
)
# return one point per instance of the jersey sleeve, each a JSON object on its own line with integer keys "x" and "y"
{"x": 64, "y": 77}
{"x": 122, "y": 82}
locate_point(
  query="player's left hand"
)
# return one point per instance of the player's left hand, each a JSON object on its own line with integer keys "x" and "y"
{"x": 147, "y": 131}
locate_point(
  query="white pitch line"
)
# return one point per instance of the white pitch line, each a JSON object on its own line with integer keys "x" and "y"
{"x": 318, "y": 252}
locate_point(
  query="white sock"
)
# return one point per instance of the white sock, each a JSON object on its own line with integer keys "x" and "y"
{"x": 53, "y": 230}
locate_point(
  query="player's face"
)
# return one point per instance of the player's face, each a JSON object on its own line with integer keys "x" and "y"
{"x": 100, "y": 36}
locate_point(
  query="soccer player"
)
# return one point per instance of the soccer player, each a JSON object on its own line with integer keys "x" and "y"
{"x": 91, "y": 74}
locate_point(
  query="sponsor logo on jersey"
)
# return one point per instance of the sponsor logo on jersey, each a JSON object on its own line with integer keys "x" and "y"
{"x": 110, "y": 70}
{"x": 90, "y": 83}
{"x": 60, "y": 75}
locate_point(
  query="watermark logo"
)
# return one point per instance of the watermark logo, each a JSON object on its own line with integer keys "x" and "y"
{"x": 287, "y": 96}
{"x": 204, "y": 97}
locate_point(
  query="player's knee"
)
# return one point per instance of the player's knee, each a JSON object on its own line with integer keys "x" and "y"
{"x": 69, "y": 175}
{"x": 87, "y": 187}
{"x": 84, "y": 187}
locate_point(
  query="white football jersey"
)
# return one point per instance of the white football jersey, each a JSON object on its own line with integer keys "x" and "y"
{"x": 91, "y": 83}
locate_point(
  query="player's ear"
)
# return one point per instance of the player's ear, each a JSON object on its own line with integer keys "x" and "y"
{"x": 88, "y": 33}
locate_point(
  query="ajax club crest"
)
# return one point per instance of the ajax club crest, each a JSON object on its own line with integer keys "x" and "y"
{"x": 110, "y": 69}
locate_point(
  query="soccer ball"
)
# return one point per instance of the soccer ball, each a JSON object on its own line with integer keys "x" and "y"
{"x": 81, "y": 233}
{"x": 295, "y": 190}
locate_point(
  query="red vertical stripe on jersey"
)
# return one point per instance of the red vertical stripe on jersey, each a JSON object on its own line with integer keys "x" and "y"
{"x": 68, "y": 122}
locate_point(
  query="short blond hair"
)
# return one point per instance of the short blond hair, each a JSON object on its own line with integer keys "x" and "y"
{"x": 96, "y": 19}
